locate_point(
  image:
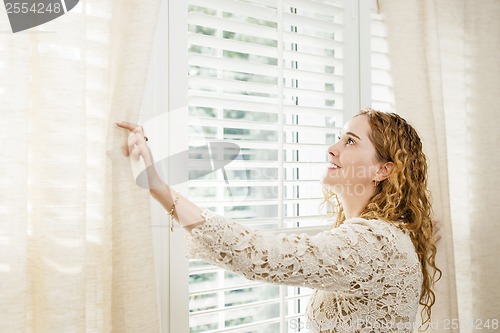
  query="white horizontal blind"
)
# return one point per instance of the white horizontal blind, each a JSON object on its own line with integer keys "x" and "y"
{"x": 382, "y": 93}
{"x": 266, "y": 76}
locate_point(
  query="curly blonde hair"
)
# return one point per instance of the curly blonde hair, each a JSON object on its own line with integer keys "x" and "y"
{"x": 402, "y": 198}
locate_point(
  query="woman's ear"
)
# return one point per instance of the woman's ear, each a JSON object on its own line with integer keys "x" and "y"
{"x": 384, "y": 172}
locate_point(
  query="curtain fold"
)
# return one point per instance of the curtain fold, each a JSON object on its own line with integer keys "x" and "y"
{"x": 446, "y": 72}
{"x": 75, "y": 239}
{"x": 482, "y": 80}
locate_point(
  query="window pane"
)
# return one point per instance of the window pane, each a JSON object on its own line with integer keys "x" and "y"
{"x": 272, "y": 84}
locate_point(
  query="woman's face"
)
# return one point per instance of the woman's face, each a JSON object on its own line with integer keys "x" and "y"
{"x": 353, "y": 164}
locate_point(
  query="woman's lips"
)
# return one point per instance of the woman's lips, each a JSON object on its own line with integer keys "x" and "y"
{"x": 332, "y": 165}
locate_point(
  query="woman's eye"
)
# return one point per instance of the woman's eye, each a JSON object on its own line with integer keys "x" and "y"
{"x": 350, "y": 141}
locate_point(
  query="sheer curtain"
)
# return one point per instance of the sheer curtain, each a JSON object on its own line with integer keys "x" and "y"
{"x": 75, "y": 240}
{"x": 446, "y": 73}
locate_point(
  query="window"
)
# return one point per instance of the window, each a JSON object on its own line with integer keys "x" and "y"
{"x": 274, "y": 80}
{"x": 267, "y": 76}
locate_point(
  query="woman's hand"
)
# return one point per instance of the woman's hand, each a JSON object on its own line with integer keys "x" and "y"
{"x": 136, "y": 144}
{"x": 136, "y": 147}
{"x": 184, "y": 211}
{"x": 436, "y": 227}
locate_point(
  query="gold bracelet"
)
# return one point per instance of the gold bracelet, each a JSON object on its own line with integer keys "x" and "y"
{"x": 171, "y": 212}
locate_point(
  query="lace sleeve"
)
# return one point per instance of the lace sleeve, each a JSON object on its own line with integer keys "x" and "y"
{"x": 330, "y": 259}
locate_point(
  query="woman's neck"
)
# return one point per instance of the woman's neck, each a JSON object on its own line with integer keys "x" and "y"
{"x": 354, "y": 204}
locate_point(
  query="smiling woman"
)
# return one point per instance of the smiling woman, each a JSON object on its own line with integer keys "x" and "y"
{"x": 396, "y": 165}
{"x": 373, "y": 268}
{"x": 355, "y": 166}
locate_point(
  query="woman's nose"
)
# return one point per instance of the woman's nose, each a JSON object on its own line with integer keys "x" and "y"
{"x": 333, "y": 151}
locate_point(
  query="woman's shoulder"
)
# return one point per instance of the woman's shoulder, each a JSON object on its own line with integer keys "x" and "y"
{"x": 381, "y": 231}
{"x": 376, "y": 226}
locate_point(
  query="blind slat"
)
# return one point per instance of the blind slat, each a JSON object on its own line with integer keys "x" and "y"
{"x": 227, "y": 288}
{"x": 250, "y": 202}
{"x": 239, "y": 102}
{"x": 251, "y": 183}
{"x": 332, "y": 7}
{"x": 308, "y": 93}
{"x": 318, "y": 42}
{"x": 308, "y": 219}
{"x": 312, "y": 111}
{"x": 312, "y": 22}
{"x": 238, "y": 7}
{"x": 244, "y": 327}
{"x": 310, "y": 76}
{"x": 233, "y": 26}
{"x": 228, "y": 85}
{"x": 245, "y": 305}
{"x": 234, "y": 307}
{"x": 323, "y": 60}
{"x": 232, "y": 45}
{"x": 224, "y": 123}
{"x": 232, "y": 65}
{"x": 232, "y": 104}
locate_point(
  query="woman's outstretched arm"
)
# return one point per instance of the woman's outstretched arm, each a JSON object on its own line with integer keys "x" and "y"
{"x": 351, "y": 259}
{"x": 186, "y": 212}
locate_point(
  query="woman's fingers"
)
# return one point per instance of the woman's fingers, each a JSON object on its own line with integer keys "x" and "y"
{"x": 137, "y": 146}
{"x": 135, "y": 138}
{"x": 134, "y": 144}
{"x": 135, "y": 152}
{"x": 127, "y": 125}
{"x": 436, "y": 227}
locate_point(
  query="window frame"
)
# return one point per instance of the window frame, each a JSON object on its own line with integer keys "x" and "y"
{"x": 168, "y": 73}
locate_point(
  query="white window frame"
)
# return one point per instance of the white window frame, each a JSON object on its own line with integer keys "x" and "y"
{"x": 165, "y": 100}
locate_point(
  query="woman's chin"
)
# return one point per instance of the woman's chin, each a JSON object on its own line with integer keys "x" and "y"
{"x": 328, "y": 180}
{"x": 328, "y": 184}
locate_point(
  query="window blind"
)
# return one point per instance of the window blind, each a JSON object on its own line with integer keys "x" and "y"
{"x": 267, "y": 76}
{"x": 382, "y": 93}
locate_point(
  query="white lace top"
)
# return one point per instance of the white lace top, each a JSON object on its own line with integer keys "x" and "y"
{"x": 366, "y": 273}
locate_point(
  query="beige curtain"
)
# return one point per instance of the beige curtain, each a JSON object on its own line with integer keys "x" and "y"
{"x": 75, "y": 239}
{"x": 446, "y": 71}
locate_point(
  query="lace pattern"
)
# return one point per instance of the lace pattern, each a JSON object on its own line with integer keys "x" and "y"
{"x": 366, "y": 273}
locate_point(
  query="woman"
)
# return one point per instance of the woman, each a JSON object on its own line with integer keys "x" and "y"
{"x": 369, "y": 272}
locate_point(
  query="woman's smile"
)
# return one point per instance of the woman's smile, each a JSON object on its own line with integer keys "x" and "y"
{"x": 333, "y": 166}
